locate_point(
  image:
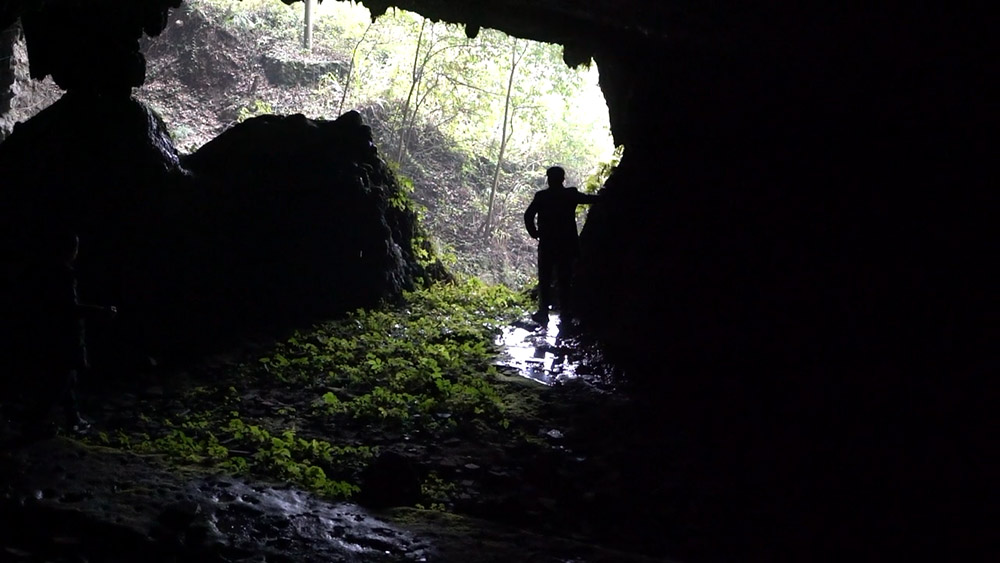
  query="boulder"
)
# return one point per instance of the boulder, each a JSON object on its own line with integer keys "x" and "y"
{"x": 279, "y": 219}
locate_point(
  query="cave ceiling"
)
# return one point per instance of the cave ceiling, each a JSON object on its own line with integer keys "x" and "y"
{"x": 556, "y": 21}
{"x": 93, "y": 44}
{"x": 783, "y": 26}
{"x": 561, "y": 21}
{"x": 549, "y": 20}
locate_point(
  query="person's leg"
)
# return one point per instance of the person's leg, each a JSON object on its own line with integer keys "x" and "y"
{"x": 74, "y": 421}
{"x": 565, "y": 281}
{"x": 546, "y": 264}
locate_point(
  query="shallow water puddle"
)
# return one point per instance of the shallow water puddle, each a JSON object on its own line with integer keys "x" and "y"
{"x": 538, "y": 354}
{"x": 551, "y": 354}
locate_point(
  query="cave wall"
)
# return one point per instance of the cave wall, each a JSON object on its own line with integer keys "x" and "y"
{"x": 280, "y": 220}
{"x": 807, "y": 191}
{"x": 801, "y": 183}
{"x": 803, "y": 200}
{"x": 794, "y": 259}
{"x": 89, "y": 45}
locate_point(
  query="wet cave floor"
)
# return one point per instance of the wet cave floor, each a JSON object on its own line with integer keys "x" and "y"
{"x": 578, "y": 475}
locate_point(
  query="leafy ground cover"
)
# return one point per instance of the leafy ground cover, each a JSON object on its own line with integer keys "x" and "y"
{"x": 405, "y": 407}
{"x": 317, "y": 408}
{"x": 407, "y": 398}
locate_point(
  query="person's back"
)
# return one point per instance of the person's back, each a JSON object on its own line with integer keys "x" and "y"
{"x": 555, "y": 210}
{"x": 557, "y": 216}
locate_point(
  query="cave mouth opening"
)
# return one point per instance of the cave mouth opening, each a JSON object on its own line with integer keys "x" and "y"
{"x": 469, "y": 124}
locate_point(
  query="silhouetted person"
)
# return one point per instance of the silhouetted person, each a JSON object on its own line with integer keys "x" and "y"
{"x": 59, "y": 333}
{"x": 558, "y": 245}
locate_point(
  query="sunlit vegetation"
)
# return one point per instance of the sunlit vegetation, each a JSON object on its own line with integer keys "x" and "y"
{"x": 314, "y": 408}
{"x": 472, "y": 122}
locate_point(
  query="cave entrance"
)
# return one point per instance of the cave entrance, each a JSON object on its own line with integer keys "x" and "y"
{"x": 468, "y": 123}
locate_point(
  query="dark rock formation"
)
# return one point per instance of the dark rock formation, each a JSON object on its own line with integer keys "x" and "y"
{"x": 800, "y": 183}
{"x": 88, "y": 162}
{"x": 88, "y": 45}
{"x": 279, "y": 218}
{"x": 808, "y": 190}
{"x": 310, "y": 201}
{"x": 815, "y": 194}
{"x": 774, "y": 211}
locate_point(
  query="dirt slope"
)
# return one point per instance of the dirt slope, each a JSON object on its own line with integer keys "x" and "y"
{"x": 201, "y": 76}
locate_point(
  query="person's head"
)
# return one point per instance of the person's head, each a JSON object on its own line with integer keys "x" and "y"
{"x": 555, "y": 176}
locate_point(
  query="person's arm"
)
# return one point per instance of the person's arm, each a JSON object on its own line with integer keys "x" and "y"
{"x": 88, "y": 311}
{"x": 582, "y": 198}
{"x": 529, "y": 218}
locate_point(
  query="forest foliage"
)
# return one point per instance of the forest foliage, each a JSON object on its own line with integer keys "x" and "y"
{"x": 472, "y": 123}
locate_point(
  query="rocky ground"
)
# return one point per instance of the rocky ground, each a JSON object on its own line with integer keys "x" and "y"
{"x": 65, "y": 501}
{"x": 815, "y": 467}
{"x": 558, "y": 495}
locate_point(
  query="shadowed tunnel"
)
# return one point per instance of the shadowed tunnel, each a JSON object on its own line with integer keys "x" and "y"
{"x": 795, "y": 255}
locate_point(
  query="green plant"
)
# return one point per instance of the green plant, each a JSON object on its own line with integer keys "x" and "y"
{"x": 258, "y": 107}
{"x": 424, "y": 367}
{"x": 436, "y": 493}
{"x": 603, "y": 171}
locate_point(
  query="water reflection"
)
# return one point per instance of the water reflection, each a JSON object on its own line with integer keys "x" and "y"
{"x": 552, "y": 353}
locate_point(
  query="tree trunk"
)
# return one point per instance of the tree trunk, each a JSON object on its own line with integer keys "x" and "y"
{"x": 415, "y": 77}
{"x": 350, "y": 69}
{"x": 487, "y": 228}
{"x": 307, "y": 33}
